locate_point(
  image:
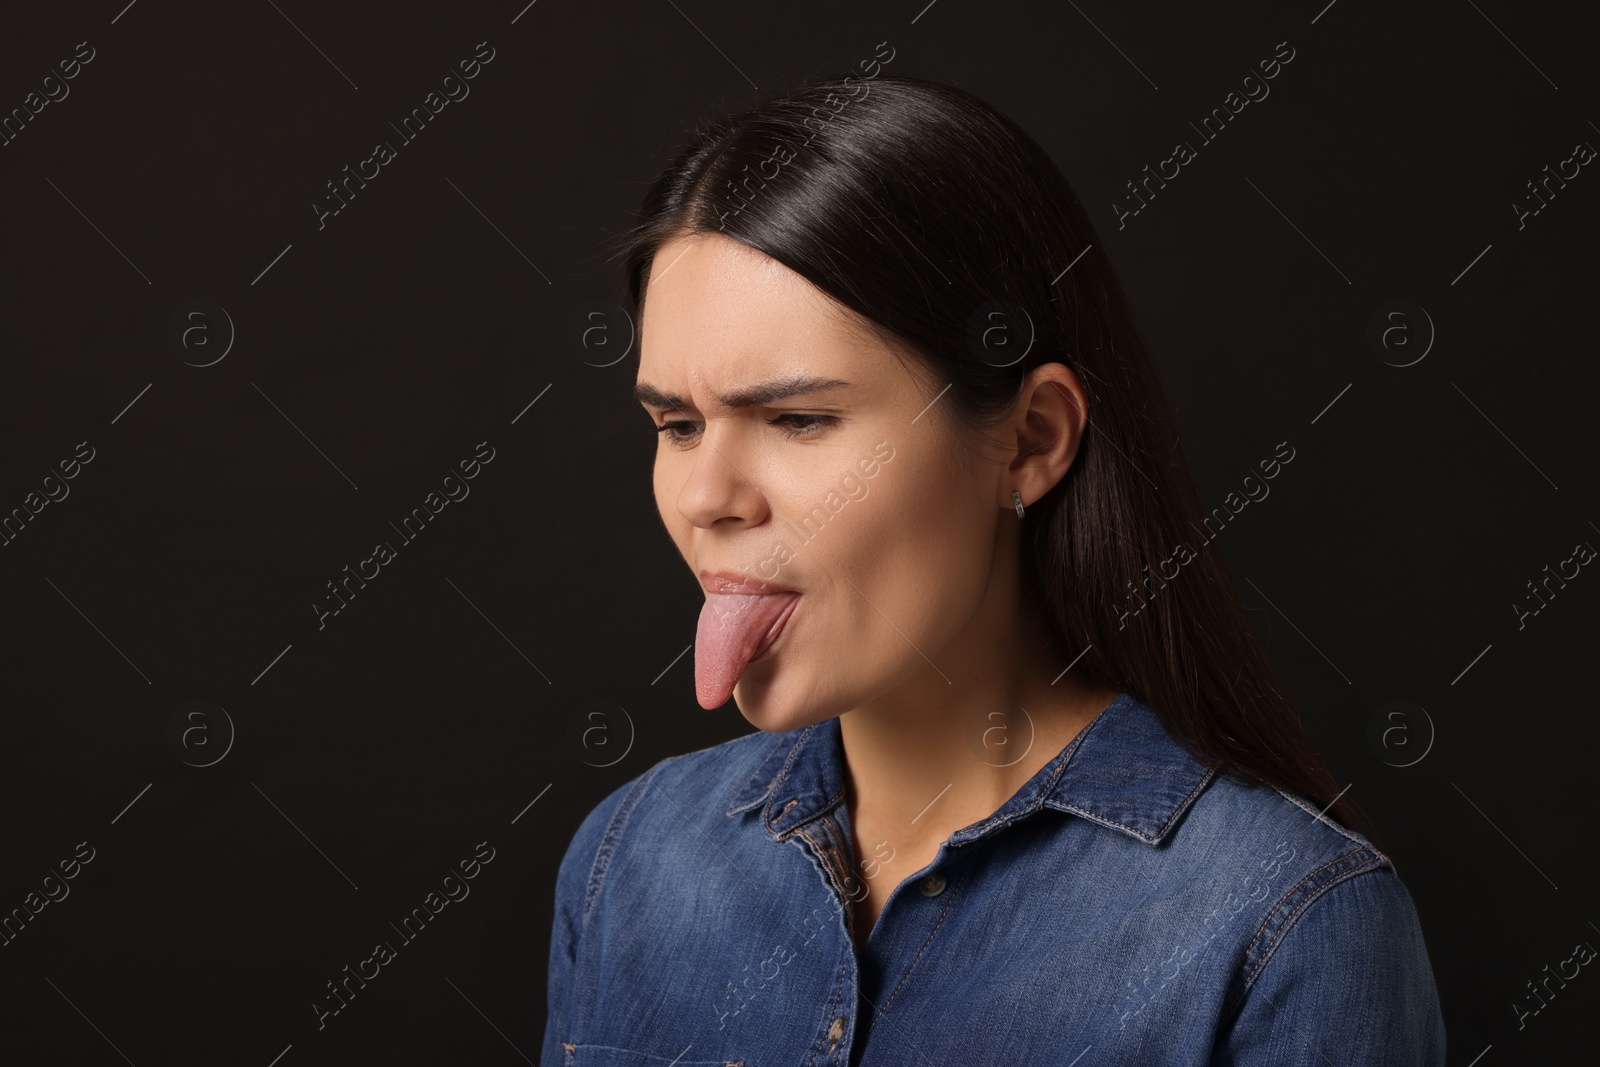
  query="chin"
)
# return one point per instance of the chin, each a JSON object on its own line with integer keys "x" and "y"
{"x": 767, "y": 710}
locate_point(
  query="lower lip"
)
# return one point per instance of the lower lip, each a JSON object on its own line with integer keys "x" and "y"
{"x": 778, "y": 627}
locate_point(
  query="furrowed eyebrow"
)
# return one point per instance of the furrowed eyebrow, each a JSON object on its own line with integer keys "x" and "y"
{"x": 764, "y": 393}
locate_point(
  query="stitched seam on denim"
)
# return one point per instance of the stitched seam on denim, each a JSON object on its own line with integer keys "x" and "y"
{"x": 602, "y": 856}
{"x": 833, "y": 1013}
{"x": 1238, "y": 1001}
{"x": 955, "y": 888}
{"x": 750, "y": 783}
{"x": 766, "y": 813}
{"x": 831, "y": 850}
{"x": 1294, "y": 916}
{"x": 1065, "y": 756}
{"x": 1096, "y": 817}
{"x": 772, "y": 796}
{"x": 1373, "y": 862}
{"x": 827, "y": 806}
{"x": 1290, "y": 892}
{"x": 1184, "y": 803}
{"x": 1071, "y": 751}
{"x": 1303, "y": 806}
{"x": 822, "y": 855}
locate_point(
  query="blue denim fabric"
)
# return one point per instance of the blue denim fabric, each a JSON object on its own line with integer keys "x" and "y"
{"x": 1125, "y": 906}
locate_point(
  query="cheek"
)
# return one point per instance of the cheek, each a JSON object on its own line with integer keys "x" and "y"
{"x": 915, "y": 549}
{"x": 925, "y": 500}
{"x": 944, "y": 545}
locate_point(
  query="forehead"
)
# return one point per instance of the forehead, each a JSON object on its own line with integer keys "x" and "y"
{"x": 719, "y": 314}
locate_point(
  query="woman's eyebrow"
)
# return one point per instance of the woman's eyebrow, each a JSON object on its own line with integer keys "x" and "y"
{"x": 764, "y": 393}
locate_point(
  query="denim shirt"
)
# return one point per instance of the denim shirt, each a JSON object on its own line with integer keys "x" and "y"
{"x": 1126, "y": 905}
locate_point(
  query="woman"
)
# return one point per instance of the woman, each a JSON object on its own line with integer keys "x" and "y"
{"x": 1024, "y": 788}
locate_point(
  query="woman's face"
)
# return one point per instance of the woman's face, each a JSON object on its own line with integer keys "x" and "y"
{"x": 857, "y": 495}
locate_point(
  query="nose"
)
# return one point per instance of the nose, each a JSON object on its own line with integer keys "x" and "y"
{"x": 717, "y": 488}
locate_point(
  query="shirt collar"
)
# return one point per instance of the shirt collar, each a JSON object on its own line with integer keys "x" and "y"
{"x": 1122, "y": 771}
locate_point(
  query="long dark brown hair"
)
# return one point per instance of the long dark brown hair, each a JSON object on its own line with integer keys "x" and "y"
{"x": 950, "y": 230}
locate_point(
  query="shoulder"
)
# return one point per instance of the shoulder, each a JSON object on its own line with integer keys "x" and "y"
{"x": 1338, "y": 945}
{"x": 1241, "y": 816}
{"x": 1216, "y": 833}
{"x": 1291, "y": 851}
{"x": 1330, "y": 898}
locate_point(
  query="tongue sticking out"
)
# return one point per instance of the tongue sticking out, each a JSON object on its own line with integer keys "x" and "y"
{"x": 733, "y": 630}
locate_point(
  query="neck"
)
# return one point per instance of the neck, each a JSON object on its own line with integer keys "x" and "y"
{"x": 951, "y": 745}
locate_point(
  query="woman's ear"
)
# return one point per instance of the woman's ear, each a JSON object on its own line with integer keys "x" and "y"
{"x": 1051, "y": 419}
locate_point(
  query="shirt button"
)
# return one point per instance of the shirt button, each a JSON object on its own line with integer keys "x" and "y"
{"x": 932, "y": 885}
{"x": 836, "y": 1031}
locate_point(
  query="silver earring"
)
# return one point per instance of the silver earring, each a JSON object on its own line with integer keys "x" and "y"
{"x": 1016, "y": 498}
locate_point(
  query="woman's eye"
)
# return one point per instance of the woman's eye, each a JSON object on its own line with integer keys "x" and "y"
{"x": 804, "y": 425}
{"x": 669, "y": 430}
{"x": 798, "y": 425}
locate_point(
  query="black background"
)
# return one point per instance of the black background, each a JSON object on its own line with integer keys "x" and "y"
{"x": 466, "y": 282}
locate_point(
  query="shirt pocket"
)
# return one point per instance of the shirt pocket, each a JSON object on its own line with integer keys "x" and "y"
{"x": 611, "y": 1056}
